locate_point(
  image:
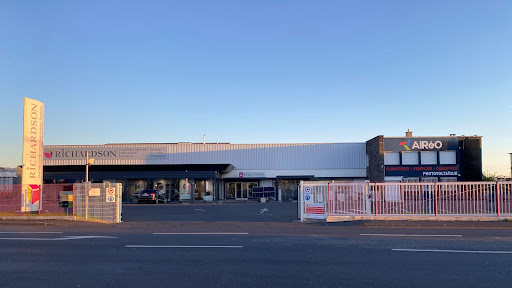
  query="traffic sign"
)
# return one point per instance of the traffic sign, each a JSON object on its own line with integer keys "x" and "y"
{"x": 307, "y": 193}
{"x": 111, "y": 198}
{"x": 111, "y": 191}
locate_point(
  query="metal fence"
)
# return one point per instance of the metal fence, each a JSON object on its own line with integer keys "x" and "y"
{"x": 99, "y": 202}
{"x": 50, "y": 204}
{"x": 319, "y": 200}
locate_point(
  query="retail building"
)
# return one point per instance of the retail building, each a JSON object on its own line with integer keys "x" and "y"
{"x": 204, "y": 171}
{"x": 425, "y": 159}
{"x": 191, "y": 171}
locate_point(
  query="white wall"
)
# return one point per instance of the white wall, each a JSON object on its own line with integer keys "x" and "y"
{"x": 328, "y": 173}
{"x": 242, "y": 156}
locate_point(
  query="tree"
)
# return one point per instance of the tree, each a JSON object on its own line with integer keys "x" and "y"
{"x": 486, "y": 176}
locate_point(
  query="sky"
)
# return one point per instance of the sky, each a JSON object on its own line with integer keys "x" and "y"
{"x": 257, "y": 72}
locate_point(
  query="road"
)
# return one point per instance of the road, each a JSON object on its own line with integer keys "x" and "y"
{"x": 203, "y": 246}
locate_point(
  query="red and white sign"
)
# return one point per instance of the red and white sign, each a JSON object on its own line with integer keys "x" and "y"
{"x": 111, "y": 195}
{"x": 315, "y": 211}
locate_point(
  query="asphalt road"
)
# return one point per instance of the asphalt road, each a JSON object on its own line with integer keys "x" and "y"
{"x": 179, "y": 246}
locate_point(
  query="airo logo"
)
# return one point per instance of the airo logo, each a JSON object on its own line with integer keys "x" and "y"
{"x": 406, "y": 144}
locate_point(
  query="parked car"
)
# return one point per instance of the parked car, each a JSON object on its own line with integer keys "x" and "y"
{"x": 151, "y": 195}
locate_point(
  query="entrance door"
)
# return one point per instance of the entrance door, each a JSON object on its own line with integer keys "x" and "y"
{"x": 245, "y": 191}
{"x": 241, "y": 191}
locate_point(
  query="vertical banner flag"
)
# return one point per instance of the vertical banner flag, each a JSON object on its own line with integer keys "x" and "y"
{"x": 32, "y": 175}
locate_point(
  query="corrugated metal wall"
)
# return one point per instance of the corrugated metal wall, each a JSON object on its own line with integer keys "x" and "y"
{"x": 242, "y": 156}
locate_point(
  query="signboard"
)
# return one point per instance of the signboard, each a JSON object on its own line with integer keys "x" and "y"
{"x": 111, "y": 195}
{"x": 32, "y": 160}
{"x": 421, "y": 144}
{"x": 251, "y": 174}
{"x": 307, "y": 193}
{"x": 107, "y": 153}
{"x": 422, "y": 170}
{"x": 315, "y": 211}
{"x": 94, "y": 191}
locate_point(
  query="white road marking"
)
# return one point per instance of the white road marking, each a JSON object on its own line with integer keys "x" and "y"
{"x": 200, "y": 210}
{"x": 454, "y": 251}
{"x": 163, "y": 246}
{"x": 200, "y": 233}
{"x": 410, "y": 235}
{"x": 31, "y": 232}
{"x": 263, "y": 210}
{"x": 59, "y": 239}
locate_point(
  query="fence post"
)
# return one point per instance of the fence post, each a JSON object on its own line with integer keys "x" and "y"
{"x": 301, "y": 201}
{"x": 375, "y": 198}
{"x": 40, "y": 200}
{"x": 498, "y": 198}
{"x": 74, "y": 203}
{"x": 87, "y": 201}
{"x": 118, "y": 200}
{"x": 435, "y": 198}
{"x": 328, "y": 199}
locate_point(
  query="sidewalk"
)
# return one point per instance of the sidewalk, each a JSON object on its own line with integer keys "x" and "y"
{"x": 425, "y": 224}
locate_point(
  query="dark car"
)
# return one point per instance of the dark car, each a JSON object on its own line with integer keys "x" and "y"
{"x": 151, "y": 195}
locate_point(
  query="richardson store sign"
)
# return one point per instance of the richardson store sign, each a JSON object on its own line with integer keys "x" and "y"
{"x": 106, "y": 153}
{"x": 423, "y": 171}
{"x": 421, "y": 144}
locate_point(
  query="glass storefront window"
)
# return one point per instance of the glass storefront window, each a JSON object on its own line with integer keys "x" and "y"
{"x": 133, "y": 188}
{"x": 289, "y": 188}
{"x": 240, "y": 190}
{"x": 202, "y": 188}
{"x": 230, "y": 191}
{"x": 185, "y": 188}
{"x": 160, "y": 184}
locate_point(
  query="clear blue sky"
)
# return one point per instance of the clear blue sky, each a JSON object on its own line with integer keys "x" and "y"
{"x": 257, "y": 71}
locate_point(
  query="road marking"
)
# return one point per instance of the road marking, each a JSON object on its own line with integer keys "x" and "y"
{"x": 263, "y": 210}
{"x": 205, "y": 233}
{"x": 162, "y": 246}
{"x": 31, "y": 232}
{"x": 59, "y": 239}
{"x": 410, "y": 235}
{"x": 200, "y": 210}
{"x": 454, "y": 251}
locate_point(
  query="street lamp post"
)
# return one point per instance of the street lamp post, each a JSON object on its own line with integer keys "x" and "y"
{"x": 88, "y": 162}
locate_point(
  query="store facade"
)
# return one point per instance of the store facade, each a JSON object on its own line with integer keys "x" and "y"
{"x": 425, "y": 159}
{"x": 205, "y": 172}
{"x": 217, "y": 171}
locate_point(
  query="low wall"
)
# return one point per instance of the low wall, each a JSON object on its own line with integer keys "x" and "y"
{"x": 417, "y": 218}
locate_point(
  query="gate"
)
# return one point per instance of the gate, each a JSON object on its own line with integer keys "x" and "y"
{"x": 404, "y": 199}
{"x": 322, "y": 199}
{"x": 349, "y": 199}
{"x": 314, "y": 205}
{"x": 98, "y": 202}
